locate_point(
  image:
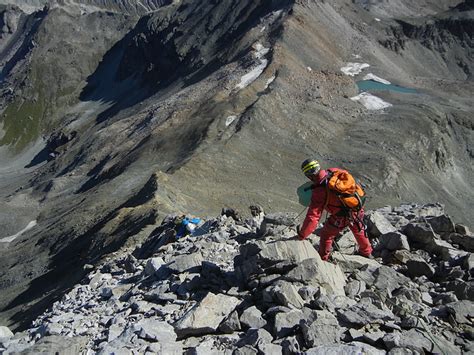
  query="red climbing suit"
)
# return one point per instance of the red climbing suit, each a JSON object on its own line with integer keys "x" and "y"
{"x": 339, "y": 218}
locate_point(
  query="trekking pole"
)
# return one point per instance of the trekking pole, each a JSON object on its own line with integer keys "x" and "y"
{"x": 294, "y": 220}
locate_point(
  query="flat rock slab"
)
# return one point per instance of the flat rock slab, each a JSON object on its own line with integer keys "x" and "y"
{"x": 365, "y": 313}
{"x": 182, "y": 263}
{"x": 324, "y": 330}
{"x": 154, "y": 330}
{"x": 350, "y": 262}
{"x": 316, "y": 272}
{"x": 290, "y": 250}
{"x": 205, "y": 317}
{"x": 463, "y": 311}
{"x": 354, "y": 348}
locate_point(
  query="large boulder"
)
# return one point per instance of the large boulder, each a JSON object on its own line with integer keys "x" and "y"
{"x": 354, "y": 348}
{"x": 419, "y": 234}
{"x": 182, "y": 263}
{"x": 349, "y": 263}
{"x": 283, "y": 293}
{"x": 154, "y": 330}
{"x": 285, "y": 322}
{"x": 377, "y": 224}
{"x": 394, "y": 241}
{"x": 417, "y": 266}
{"x": 466, "y": 242}
{"x": 290, "y": 250}
{"x": 316, "y": 272}
{"x": 324, "y": 329}
{"x": 252, "y": 318}
{"x": 441, "y": 224}
{"x": 5, "y": 332}
{"x": 275, "y": 223}
{"x": 205, "y": 316}
{"x": 365, "y": 313}
{"x": 462, "y": 311}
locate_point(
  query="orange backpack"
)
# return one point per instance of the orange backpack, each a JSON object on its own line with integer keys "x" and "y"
{"x": 349, "y": 192}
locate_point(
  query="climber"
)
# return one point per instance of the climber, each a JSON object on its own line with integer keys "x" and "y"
{"x": 341, "y": 214}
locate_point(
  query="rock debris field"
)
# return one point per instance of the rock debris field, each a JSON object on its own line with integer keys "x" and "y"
{"x": 247, "y": 286}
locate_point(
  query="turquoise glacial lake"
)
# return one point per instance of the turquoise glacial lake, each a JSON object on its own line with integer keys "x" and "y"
{"x": 370, "y": 85}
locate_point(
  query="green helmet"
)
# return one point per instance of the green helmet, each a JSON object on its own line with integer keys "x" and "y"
{"x": 310, "y": 167}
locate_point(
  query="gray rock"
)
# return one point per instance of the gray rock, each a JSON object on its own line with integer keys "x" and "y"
{"x": 316, "y": 272}
{"x": 174, "y": 348}
{"x": 231, "y": 324}
{"x": 461, "y": 311}
{"x": 275, "y": 223}
{"x": 5, "y": 332}
{"x": 182, "y": 263}
{"x": 252, "y": 318}
{"x": 462, "y": 229}
{"x": 443, "y": 249}
{"x": 54, "y": 329}
{"x": 372, "y": 338}
{"x": 417, "y": 266}
{"x": 349, "y": 263}
{"x": 245, "y": 350}
{"x": 206, "y": 316}
{"x": 286, "y": 322}
{"x": 307, "y": 293}
{"x": 419, "y": 234}
{"x": 284, "y": 293}
{"x": 355, "y": 287}
{"x": 289, "y": 345}
{"x": 153, "y": 265}
{"x": 377, "y": 224}
{"x": 354, "y": 348}
{"x": 394, "y": 241}
{"x": 270, "y": 349}
{"x": 291, "y": 250}
{"x": 365, "y": 313}
{"x": 466, "y": 242}
{"x": 154, "y": 330}
{"x": 58, "y": 344}
{"x": 324, "y": 330}
{"x": 469, "y": 263}
{"x": 441, "y": 224}
{"x": 413, "y": 339}
{"x": 254, "y": 337}
{"x": 387, "y": 279}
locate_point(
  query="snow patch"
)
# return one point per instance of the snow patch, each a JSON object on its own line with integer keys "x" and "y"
{"x": 309, "y": 68}
{"x": 377, "y": 19}
{"x": 354, "y": 68}
{"x": 263, "y": 29}
{"x": 370, "y": 101}
{"x": 229, "y": 120}
{"x": 373, "y": 77}
{"x": 14, "y": 236}
{"x": 250, "y": 77}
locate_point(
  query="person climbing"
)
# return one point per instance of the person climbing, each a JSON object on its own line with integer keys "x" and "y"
{"x": 345, "y": 210}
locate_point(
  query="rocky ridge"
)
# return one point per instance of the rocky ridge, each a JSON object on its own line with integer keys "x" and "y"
{"x": 247, "y": 286}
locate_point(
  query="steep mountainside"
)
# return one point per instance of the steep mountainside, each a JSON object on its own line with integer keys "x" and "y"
{"x": 112, "y": 118}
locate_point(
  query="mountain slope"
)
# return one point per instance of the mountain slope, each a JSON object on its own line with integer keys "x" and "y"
{"x": 201, "y": 105}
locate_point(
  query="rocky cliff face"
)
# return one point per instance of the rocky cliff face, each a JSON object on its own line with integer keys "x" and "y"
{"x": 113, "y": 118}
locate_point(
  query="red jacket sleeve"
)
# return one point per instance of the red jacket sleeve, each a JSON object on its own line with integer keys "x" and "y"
{"x": 316, "y": 207}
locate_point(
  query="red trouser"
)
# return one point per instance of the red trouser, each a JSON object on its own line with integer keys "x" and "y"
{"x": 335, "y": 224}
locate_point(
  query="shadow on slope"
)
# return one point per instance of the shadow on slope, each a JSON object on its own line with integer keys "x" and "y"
{"x": 162, "y": 50}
